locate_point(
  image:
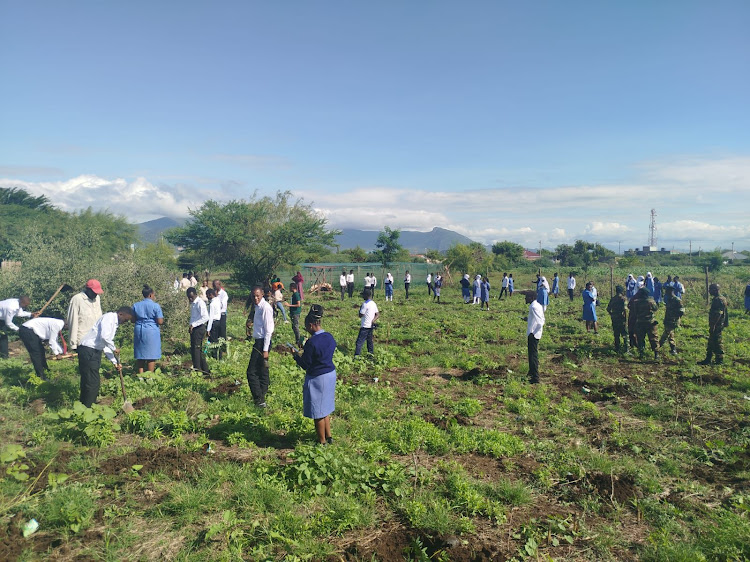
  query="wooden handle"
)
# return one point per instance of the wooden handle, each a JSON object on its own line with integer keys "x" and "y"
{"x": 39, "y": 312}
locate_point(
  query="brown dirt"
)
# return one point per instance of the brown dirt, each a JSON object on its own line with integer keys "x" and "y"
{"x": 621, "y": 489}
{"x": 142, "y": 402}
{"x": 226, "y": 388}
{"x": 170, "y": 461}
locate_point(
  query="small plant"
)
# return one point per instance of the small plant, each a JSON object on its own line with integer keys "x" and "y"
{"x": 93, "y": 426}
{"x": 71, "y": 507}
{"x": 11, "y": 457}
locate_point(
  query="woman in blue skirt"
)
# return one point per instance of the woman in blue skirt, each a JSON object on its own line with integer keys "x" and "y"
{"x": 146, "y": 334}
{"x": 318, "y": 391}
{"x": 589, "y": 308}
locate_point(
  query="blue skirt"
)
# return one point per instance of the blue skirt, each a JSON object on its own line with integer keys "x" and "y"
{"x": 589, "y": 312}
{"x": 747, "y": 303}
{"x": 389, "y": 289}
{"x": 318, "y": 395}
{"x": 146, "y": 341}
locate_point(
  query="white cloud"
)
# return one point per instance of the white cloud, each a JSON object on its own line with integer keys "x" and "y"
{"x": 606, "y": 229}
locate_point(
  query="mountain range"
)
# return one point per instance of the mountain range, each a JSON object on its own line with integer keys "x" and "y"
{"x": 416, "y": 242}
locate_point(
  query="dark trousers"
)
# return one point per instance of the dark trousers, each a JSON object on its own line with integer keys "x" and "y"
{"x": 619, "y": 330}
{"x": 35, "y": 346}
{"x": 213, "y": 337}
{"x": 646, "y": 331}
{"x": 715, "y": 344}
{"x": 257, "y": 373}
{"x": 429, "y": 289}
{"x": 570, "y": 294}
{"x": 533, "y": 345}
{"x": 222, "y": 334}
{"x": 89, "y": 363}
{"x": 295, "y": 327}
{"x": 365, "y": 334}
{"x": 196, "y": 349}
{"x": 343, "y": 291}
{"x": 350, "y": 289}
{"x": 503, "y": 291}
{"x": 406, "y": 288}
{"x": 3, "y": 343}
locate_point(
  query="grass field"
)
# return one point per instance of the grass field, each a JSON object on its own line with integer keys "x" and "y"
{"x": 442, "y": 450}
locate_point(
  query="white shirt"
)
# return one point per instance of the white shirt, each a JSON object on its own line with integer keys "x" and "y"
{"x": 10, "y": 308}
{"x": 223, "y": 300}
{"x": 263, "y": 323}
{"x": 536, "y": 320}
{"x": 505, "y": 282}
{"x": 342, "y": 280}
{"x": 373, "y": 281}
{"x": 83, "y": 313}
{"x": 429, "y": 277}
{"x": 176, "y": 284}
{"x": 47, "y": 329}
{"x": 407, "y": 279}
{"x": 571, "y": 282}
{"x": 594, "y": 292}
{"x": 368, "y": 310}
{"x": 389, "y": 279}
{"x": 102, "y": 335}
{"x": 368, "y": 281}
{"x": 214, "y": 312}
{"x": 184, "y": 283}
{"x": 193, "y": 281}
{"x": 198, "y": 313}
{"x": 350, "y": 278}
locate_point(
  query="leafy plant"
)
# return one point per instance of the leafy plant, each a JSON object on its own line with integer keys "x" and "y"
{"x": 93, "y": 426}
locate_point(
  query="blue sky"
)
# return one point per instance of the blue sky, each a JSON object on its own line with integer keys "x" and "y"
{"x": 524, "y": 121}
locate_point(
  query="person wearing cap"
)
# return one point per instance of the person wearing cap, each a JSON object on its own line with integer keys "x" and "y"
{"x": 101, "y": 337}
{"x": 9, "y": 309}
{"x": 618, "y": 312}
{"x": 534, "y": 328}
{"x": 319, "y": 388}
{"x": 718, "y": 319}
{"x": 33, "y": 334}
{"x": 84, "y": 310}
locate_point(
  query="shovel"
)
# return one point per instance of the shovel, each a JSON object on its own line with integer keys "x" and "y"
{"x": 64, "y": 287}
{"x": 127, "y": 407}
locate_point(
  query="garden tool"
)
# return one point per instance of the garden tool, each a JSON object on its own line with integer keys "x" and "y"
{"x": 64, "y": 287}
{"x": 127, "y": 407}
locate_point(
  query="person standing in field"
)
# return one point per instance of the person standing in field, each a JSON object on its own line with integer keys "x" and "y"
{"x": 672, "y": 314}
{"x": 631, "y": 286}
{"x": 429, "y": 284}
{"x": 407, "y": 283}
{"x": 223, "y": 297}
{"x": 747, "y": 299}
{"x": 436, "y": 288}
{"x": 278, "y": 297}
{"x": 319, "y": 388}
{"x": 503, "y": 286}
{"x": 9, "y": 309}
{"x": 193, "y": 280}
{"x": 295, "y": 308}
{"x": 197, "y": 330}
{"x": 369, "y": 314}
{"x": 213, "y": 328}
{"x": 350, "y": 283}
{"x": 657, "y": 291}
{"x": 555, "y": 285}
{"x": 510, "y": 284}
{"x": 368, "y": 281}
{"x": 257, "y": 369}
{"x": 645, "y": 326}
{"x": 484, "y": 293}
{"x": 342, "y": 283}
{"x": 33, "y": 334}
{"x": 185, "y": 282}
{"x": 679, "y": 288}
{"x": 476, "y": 290}
{"x": 300, "y": 285}
{"x": 83, "y": 311}
{"x": 650, "y": 283}
{"x": 534, "y": 328}
{"x": 589, "y": 308}
{"x": 146, "y": 334}
{"x": 542, "y": 292}
{"x": 373, "y": 284}
{"x": 718, "y": 319}
{"x": 101, "y": 337}
{"x": 571, "y": 286}
{"x": 203, "y": 291}
{"x": 466, "y": 288}
{"x": 618, "y": 312}
{"x": 388, "y": 283}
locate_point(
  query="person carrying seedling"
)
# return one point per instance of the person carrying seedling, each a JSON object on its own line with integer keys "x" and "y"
{"x": 101, "y": 337}
{"x": 33, "y": 334}
{"x": 618, "y": 312}
{"x": 718, "y": 319}
{"x": 9, "y": 309}
{"x": 672, "y": 314}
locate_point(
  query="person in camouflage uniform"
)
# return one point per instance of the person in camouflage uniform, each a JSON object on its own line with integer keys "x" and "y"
{"x": 617, "y": 308}
{"x": 645, "y": 326}
{"x": 674, "y": 311}
{"x": 718, "y": 319}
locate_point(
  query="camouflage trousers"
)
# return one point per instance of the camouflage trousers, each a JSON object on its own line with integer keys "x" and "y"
{"x": 715, "y": 345}
{"x": 668, "y": 334}
{"x": 620, "y": 330}
{"x": 642, "y": 331}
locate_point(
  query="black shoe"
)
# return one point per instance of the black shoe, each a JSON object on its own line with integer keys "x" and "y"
{"x": 719, "y": 361}
{"x": 706, "y": 361}
{"x": 329, "y": 440}
{"x": 656, "y": 355}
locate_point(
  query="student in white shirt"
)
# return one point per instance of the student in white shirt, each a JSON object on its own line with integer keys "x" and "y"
{"x": 429, "y": 284}
{"x": 571, "y": 286}
{"x": 197, "y": 330}
{"x": 407, "y": 284}
{"x": 257, "y": 369}
{"x": 223, "y": 297}
{"x": 101, "y": 337}
{"x": 33, "y": 334}
{"x": 342, "y": 283}
{"x": 350, "y": 283}
{"x": 214, "y": 319}
{"x": 9, "y": 309}
{"x": 534, "y": 328}
{"x": 373, "y": 284}
{"x": 369, "y": 313}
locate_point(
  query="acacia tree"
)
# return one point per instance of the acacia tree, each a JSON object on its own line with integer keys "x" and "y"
{"x": 253, "y": 238}
{"x": 388, "y": 247}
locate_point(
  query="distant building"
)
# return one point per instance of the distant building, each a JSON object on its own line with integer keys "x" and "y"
{"x": 531, "y": 256}
{"x": 733, "y": 256}
{"x": 648, "y": 250}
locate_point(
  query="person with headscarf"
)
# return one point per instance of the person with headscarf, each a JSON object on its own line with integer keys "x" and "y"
{"x": 657, "y": 291}
{"x": 542, "y": 291}
{"x": 631, "y": 286}
{"x": 556, "y": 285}
{"x": 477, "y": 289}
{"x": 589, "y": 309}
{"x": 388, "y": 283}
{"x": 484, "y": 293}
{"x": 319, "y": 388}
{"x": 650, "y": 283}
{"x": 640, "y": 282}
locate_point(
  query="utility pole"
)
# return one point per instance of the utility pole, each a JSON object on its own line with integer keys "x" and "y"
{"x": 690, "y": 253}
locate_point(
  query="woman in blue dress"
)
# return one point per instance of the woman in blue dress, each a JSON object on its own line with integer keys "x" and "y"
{"x": 318, "y": 391}
{"x": 589, "y": 309}
{"x": 657, "y": 291}
{"x": 146, "y": 334}
{"x": 556, "y": 285}
{"x": 484, "y": 291}
{"x": 542, "y": 292}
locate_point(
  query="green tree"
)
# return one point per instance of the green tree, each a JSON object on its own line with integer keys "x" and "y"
{"x": 356, "y": 254}
{"x": 582, "y": 254}
{"x": 468, "y": 258}
{"x": 253, "y": 238}
{"x": 388, "y": 247}
{"x": 22, "y": 198}
{"x": 511, "y": 251}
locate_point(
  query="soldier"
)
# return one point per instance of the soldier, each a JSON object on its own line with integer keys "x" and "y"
{"x": 645, "y": 325}
{"x": 718, "y": 319}
{"x": 674, "y": 311}
{"x": 617, "y": 308}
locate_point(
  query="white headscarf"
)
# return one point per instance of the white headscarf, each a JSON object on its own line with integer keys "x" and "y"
{"x": 640, "y": 281}
{"x": 545, "y": 284}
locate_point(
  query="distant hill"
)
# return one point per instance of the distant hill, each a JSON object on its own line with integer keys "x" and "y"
{"x": 416, "y": 242}
{"x": 150, "y": 231}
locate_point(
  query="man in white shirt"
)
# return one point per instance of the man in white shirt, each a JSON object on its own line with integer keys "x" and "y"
{"x": 185, "y": 282}
{"x": 368, "y": 281}
{"x": 214, "y": 319}
{"x": 503, "y": 286}
{"x": 429, "y": 284}
{"x": 407, "y": 284}
{"x": 350, "y": 283}
{"x": 193, "y": 280}
{"x": 223, "y": 297}
{"x": 534, "y": 328}
{"x": 101, "y": 337}
{"x": 369, "y": 313}
{"x": 373, "y": 283}
{"x": 571, "y": 286}
{"x": 342, "y": 283}
{"x": 257, "y": 369}
{"x": 33, "y": 334}
{"x": 84, "y": 310}
{"x": 9, "y": 309}
{"x": 197, "y": 330}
